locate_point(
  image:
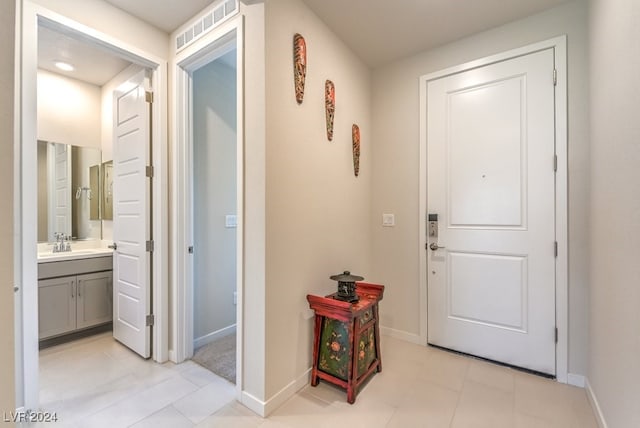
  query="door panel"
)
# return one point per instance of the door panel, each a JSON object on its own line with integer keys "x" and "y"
{"x": 504, "y": 301}
{"x": 491, "y": 288}
{"x": 57, "y": 306}
{"x": 486, "y": 154}
{"x": 131, "y": 230}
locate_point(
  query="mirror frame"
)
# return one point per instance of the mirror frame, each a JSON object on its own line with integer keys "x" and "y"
{"x": 107, "y": 190}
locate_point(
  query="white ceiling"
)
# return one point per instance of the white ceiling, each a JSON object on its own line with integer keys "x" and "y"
{"x": 378, "y": 31}
{"x": 381, "y": 31}
{"x": 92, "y": 64}
{"x": 166, "y": 15}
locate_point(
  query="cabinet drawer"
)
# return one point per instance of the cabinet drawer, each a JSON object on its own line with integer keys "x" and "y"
{"x": 366, "y": 316}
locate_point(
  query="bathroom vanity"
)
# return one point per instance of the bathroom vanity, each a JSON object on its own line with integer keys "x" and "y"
{"x": 75, "y": 284}
{"x": 75, "y": 291}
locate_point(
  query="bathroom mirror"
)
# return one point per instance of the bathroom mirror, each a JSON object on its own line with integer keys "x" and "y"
{"x": 69, "y": 183}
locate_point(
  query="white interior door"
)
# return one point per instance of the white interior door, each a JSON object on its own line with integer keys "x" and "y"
{"x": 59, "y": 156}
{"x": 491, "y": 181}
{"x": 131, "y": 227}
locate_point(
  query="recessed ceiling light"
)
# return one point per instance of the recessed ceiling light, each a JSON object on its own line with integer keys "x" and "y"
{"x": 64, "y": 66}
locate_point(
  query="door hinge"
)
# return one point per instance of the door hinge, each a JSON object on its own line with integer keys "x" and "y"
{"x": 555, "y": 77}
{"x": 151, "y": 319}
{"x": 556, "y": 334}
{"x": 555, "y": 163}
{"x": 149, "y": 171}
{"x": 150, "y": 246}
{"x": 555, "y": 248}
{"x": 148, "y": 96}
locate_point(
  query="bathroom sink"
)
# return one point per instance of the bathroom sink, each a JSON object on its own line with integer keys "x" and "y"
{"x": 74, "y": 254}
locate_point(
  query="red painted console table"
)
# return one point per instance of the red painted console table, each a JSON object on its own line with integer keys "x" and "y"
{"x": 346, "y": 346}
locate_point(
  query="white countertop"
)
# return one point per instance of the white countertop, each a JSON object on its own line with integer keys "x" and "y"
{"x": 79, "y": 250}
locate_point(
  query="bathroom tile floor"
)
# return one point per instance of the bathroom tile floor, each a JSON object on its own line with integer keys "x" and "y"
{"x": 96, "y": 382}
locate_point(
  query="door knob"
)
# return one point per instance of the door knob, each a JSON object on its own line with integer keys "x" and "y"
{"x": 434, "y": 246}
{"x": 114, "y": 246}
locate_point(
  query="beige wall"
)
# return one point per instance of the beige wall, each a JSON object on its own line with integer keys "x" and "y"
{"x": 317, "y": 211}
{"x": 395, "y": 165}
{"x": 7, "y": 87}
{"x": 614, "y": 351}
{"x": 69, "y": 110}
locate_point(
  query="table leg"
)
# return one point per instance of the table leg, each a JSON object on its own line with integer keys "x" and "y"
{"x": 352, "y": 372}
{"x": 316, "y": 350}
{"x": 376, "y": 330}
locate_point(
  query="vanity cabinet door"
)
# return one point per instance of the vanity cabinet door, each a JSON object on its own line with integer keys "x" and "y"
{"x": 56, "y": 306}
{"x": 95, "y": 299}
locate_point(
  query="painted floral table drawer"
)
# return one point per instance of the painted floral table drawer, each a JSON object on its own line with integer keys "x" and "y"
{"x": 334, "y": 349}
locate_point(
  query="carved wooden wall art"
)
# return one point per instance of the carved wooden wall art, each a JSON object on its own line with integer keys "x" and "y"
{"x": 355, "y": 137}
{"x": 299, "y": 65}
{"x": 330, "y": 106}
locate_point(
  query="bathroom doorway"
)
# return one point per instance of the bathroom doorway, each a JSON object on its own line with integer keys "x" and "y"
{"x": 79, "y": 131}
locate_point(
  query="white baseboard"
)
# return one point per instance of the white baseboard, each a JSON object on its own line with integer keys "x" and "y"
{"x": 252, "y": 403}
{"x": 173, "y": 356}
{"x": 287, "y": 392}
{"x": 576, "y": 380}
{"x": 594, "y": 404}
{"x": 265, "y": 408}
{"x": 403, "y": 335}
{"x": 208, "y": 338}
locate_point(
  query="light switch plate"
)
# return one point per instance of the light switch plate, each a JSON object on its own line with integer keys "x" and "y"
{"x": 388, "y": 220}
{"x": 230, "y": 220}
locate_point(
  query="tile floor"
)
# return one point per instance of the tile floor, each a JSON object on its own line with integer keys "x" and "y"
{"x": 96, "y": 382}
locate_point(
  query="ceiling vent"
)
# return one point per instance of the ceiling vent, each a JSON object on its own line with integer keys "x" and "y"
{"x": 212, "y": 18}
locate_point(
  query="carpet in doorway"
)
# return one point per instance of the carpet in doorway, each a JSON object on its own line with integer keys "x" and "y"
{"x": 219, "y": 357}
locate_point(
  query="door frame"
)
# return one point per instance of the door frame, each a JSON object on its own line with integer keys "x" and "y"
{"x": 559, "y": 46}
{"x": 26, "y": 263}
{"x": 206, "y": 49}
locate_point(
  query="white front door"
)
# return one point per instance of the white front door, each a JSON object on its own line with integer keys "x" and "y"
{"x": 491, "y": 182}
{"x": 131, "y": 224}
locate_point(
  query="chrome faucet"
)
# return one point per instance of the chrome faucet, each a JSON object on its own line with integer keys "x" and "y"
{"x": 56, "y": 246}
{"x": 62, "y": 243}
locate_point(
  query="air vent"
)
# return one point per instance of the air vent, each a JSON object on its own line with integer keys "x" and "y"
{"x": 219, "y": 12}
